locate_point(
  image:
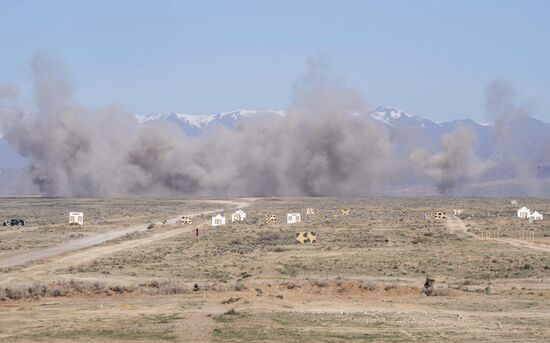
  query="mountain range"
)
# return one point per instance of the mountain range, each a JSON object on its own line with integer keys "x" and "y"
{"x": 516, "y": 148}
{"x": 518, "y": 139}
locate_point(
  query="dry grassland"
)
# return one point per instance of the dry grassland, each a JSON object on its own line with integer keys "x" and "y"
{"x": 362, "y": 280}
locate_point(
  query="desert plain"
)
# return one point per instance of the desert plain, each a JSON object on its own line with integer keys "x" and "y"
{"x": 133, "y": 272}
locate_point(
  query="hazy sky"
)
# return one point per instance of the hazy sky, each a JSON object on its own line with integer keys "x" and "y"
{"x": 432, "y": 58}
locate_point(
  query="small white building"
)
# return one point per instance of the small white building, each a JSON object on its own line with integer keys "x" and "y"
{"x": 524, "y": 213}
{"x": 458, "y": 212}
{"x": 238, "y": 216}
{"x": 535, "y": 216}
{"x": 76, "y": 218}
{"x": 514, "y": 202}
{"x": 218, "y": 220}
{"x": 293, "y": 218}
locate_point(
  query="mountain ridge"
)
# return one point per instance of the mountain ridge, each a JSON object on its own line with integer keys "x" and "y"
{"x": 385, "y": 114}
{"x": 512, "y": 148}
{"x": 505, "y": 145}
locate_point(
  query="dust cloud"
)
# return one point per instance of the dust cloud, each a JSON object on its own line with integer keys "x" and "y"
{"x": 510, "y": 114}
{"x": 322, "y": 146}
{"x": 501, "y": 102}
{"x": 455, "y": 164}
{"x": 8, "y": 91}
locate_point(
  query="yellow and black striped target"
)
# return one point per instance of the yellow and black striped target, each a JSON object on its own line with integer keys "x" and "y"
{"x": 306, "y": 237}
{"x": 270, "y": 219}
{"x": 439, "y": 215}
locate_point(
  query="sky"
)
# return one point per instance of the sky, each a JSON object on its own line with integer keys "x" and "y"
{"x": 430, "y": 58}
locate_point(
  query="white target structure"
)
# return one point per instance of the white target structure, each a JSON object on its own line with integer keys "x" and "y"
{"x": 76, "y": 218}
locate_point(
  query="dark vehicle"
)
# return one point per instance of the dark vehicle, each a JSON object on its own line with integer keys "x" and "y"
{"x": 14, "y": 222}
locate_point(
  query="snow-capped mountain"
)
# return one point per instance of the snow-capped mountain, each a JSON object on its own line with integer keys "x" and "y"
{"x": 196, "y": 124}
{"x": 411, "y": 131}
{"x": 398, "y": 118}
{"x": 522, "y": 142}
{"x": 509, "y": 142}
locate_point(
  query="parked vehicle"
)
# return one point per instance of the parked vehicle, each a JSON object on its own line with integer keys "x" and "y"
{"x": 14, "y": 222}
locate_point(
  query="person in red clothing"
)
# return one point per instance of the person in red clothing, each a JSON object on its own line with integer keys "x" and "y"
{"x": 197, "y": 232}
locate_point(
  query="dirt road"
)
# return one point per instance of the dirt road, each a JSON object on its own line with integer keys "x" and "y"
{"x": 94, "y": 239}
{"x": 456, "y": 225}
{"x": 524, "y": 244}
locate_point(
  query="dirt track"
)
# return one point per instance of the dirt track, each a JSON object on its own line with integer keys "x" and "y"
{"x": 524, "y": 244}
{"x": 455, "y": 225}
{"x": 78, "y": 244}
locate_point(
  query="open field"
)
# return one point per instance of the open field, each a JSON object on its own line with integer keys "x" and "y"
{"x": 362, "y": 280}
{"x": 48, "y": 218}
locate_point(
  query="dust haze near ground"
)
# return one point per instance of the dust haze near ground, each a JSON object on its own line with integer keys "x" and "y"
{"x": 455, "y": 164}
{"x": 318, "y": 148}
{"x": 504, "y": 106}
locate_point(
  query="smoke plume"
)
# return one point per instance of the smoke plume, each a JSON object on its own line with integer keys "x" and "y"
{"x": 322, "y": 146}
{"x": 8, "y": 91}
{"x": 455, "y": 164}
{"x": 512, "y": 114}
{"x": 501, "y": 102}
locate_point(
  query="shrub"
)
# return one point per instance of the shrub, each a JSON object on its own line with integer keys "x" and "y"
{"x": 14, "y": 294}
{"x": 368, "y": 285}
{"x": 231, "y": 312}
{"x": 320, "y": 283}
{"x": 279, "y": 249}
{"x": 238, "y": 286}
{"x": 170, "y": 287}
{"x": 267, "y": 236}
{"x": 290, "y": 285}
{"x": 390, "y": 287}
{"x": 441, "y": 292}
{"x": 230, "y": 300}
